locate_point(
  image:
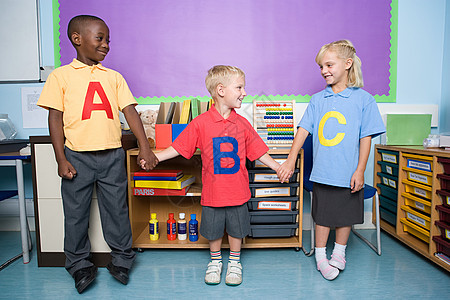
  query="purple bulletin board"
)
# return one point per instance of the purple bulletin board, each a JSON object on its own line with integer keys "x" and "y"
{"x": 164, "y": 48}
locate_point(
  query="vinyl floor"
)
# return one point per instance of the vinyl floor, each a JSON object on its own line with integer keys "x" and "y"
{"x": 399, "y": 273}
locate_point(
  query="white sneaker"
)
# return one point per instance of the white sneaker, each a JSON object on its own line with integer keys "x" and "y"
{"x": 234, "y": 273}
{"x": 213, "y": 272}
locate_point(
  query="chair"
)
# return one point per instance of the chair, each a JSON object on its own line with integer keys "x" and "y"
{"x": 369, "y": 192}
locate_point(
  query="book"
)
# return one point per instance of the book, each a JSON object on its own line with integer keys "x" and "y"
{"x": 159, "y": 173}
{"x": 165, "y": 184}
{"x": 159, "y": 192}
{"x": 170, "y": 113}
{"x": 157, "y": 178}
{"x": 195, "y": 107}
{"x": 443, "y": 257}
{"x": 184, "y": 118}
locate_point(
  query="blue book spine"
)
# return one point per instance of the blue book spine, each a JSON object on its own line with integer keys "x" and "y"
{"x": 155, "y": 178}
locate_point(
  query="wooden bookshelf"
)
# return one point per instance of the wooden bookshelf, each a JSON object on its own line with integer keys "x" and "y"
{"x": 140, "y": 207}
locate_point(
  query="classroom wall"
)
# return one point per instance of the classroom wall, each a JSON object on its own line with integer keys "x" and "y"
{"x": 444, "y": 124}
{"x": 423, "y": 69}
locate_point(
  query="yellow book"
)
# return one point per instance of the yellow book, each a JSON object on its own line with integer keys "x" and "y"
{"x": 179, "y": 184}
{"x": 184, "y": 118}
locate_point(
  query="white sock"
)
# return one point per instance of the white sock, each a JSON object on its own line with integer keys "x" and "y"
{"x": 321, "y": 253}
{"x": 340, "y": 249}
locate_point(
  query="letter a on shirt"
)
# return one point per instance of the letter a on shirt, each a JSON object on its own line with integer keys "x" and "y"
{"x": 219, "y": 155}
{"x": 89, "y": 104}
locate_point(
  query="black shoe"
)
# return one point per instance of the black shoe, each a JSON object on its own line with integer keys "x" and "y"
{"x": 84, "y": 277}
{"x": 119, "y": 273}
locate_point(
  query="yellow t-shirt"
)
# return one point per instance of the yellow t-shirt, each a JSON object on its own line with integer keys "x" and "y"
{"x": 90, "y": 98}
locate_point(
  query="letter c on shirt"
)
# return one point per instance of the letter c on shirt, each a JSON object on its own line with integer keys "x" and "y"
{"x": 339, "y": 136}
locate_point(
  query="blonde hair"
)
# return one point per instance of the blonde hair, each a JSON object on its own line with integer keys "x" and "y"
{"x": 344, "y": 50}
{"x": 221, "y": 75}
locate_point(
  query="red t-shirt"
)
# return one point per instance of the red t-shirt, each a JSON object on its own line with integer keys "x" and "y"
{"x": 224, "y": 144}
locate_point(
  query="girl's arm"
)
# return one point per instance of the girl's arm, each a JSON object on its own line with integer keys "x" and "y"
{"x": 357, "y": 181}
{"x": 287, "y": 168}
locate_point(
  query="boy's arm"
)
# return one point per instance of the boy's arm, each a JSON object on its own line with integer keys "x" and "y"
{"x": 167, "y": 153}
{"x": 357, "y": 181}
{"x": 287, "y": 168}
{"x": 149, "y": 160}
{"x": 55, "y": 125}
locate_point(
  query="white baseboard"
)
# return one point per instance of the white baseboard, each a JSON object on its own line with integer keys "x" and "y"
{"x": 13, "y": 223}
{"x": 10, "y": 207}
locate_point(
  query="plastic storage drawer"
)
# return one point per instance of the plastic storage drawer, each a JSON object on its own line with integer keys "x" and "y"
{"x": 387, "y": 191}
{"x": 268, "y": 175}
{"x": 389, "y": 156}
{"x": 444, "y": 213}
{"x": 273, "y": 217}
{"x": 273, "y": 189}
{"x": 417, "y": 189}
{"x": 445, "y": 195}
{"x": 442, "y": 245}
{"x": 416, "y": 217}
{"x": 419, "y": 162}
{"x": 445, "y": 229}
{"x": 417, "y": 203}
{"x": 415, "y": 230}
{"x": 388, "y": 168}
{"x": 388, "y": 204}
{"x": 445, "y": 163}
{"x": 419, "y": 176}
{"x": 388, "y": 180}
{"x": 445, "y": 181}
{"x": 275, "y": 203}
{"x": 272, "y": 231}
{"x": 388, "y": 216}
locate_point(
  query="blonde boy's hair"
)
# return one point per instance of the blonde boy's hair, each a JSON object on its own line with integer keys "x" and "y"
{"x": 221, "y": 75}
{"x": 344, "y": 49}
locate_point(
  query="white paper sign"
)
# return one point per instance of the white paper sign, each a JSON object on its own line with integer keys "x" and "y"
{"x": 33, "y": 116}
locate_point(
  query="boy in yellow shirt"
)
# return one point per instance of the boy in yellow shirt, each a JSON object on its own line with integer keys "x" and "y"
{"x": 84, "y": 99}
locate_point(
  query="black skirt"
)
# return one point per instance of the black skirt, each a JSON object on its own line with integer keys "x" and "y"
{"x": 336, "y": 206}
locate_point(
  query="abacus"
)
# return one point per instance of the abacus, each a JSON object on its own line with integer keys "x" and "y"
{"x": 274, "y": 121}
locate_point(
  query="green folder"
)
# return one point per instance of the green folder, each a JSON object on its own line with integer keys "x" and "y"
{"x": 195, "y": 107}
{"x": 407, "y": 129}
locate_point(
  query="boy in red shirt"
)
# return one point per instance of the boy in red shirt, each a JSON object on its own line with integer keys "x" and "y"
{"x": 225, "y": 139}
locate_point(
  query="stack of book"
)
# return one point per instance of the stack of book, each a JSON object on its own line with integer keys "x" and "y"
{"x": 161, "y": 183}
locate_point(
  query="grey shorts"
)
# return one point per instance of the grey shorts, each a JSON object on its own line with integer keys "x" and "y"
{"x": 234, "y": 219}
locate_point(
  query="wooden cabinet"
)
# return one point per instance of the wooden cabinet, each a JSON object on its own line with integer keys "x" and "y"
{"x": 141, "y": 206}
{"x": 416, "y": 190}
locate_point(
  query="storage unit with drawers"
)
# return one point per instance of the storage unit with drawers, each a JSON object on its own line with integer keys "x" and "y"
{"x": 275, "y": 208}
{"x": 387, "y": 185}
{"x": 414, "y": 205}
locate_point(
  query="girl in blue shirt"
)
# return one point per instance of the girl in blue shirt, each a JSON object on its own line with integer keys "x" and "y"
{"x": 343, "y": 118}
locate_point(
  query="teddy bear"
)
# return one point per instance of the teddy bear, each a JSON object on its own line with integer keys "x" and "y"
{"x": 148, "y": 118}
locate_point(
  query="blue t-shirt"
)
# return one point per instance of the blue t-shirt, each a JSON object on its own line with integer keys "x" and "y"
{"x": 337, "y": 123}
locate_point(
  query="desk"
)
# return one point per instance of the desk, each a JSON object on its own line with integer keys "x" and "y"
{"x": 15, "y": 159}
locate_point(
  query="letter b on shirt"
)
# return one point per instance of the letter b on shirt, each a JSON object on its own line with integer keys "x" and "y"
{"x": 232, "y": 155}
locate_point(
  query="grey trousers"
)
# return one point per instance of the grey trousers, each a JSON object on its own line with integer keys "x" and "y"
{"x": 106, "y": 171}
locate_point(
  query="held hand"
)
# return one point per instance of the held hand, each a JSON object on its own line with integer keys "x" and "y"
{"x": 357, "y": 181}
{"x": 66, "y": 170}
{"x": 285, "y": 171}
{"x": 147, "y": 160}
